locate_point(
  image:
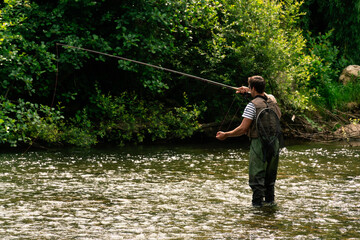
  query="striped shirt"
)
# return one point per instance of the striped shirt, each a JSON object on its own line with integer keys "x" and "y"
{"x": 250, "y": 111}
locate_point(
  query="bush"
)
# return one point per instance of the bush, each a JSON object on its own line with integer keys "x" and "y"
{"x": 24, "y": 122}
{"x": 126, "y": 118}
{"x": 222, "y": 40}
{"x": 23, "y": 59}
{"x": 79, "y": 131}
{"x": 324, "y": 71}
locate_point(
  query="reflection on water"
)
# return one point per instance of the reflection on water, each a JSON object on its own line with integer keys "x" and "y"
{"x": 177, "y": 192}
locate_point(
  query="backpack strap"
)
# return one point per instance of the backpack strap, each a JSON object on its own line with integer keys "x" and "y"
{"x": 263, "y": 97}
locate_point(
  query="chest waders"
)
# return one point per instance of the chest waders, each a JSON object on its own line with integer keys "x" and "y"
{"x": 264, "y": 150}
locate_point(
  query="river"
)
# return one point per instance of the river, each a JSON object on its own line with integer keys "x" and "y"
{"x": 188, "y": 191}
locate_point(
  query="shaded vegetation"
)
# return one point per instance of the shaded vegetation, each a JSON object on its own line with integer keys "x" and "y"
{"x": 84, "y": 98}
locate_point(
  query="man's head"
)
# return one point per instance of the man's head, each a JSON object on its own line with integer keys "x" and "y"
{"x": 258, "y": 83}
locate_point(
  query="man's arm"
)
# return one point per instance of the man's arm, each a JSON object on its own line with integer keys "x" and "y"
{"x": 240, "y": 130}
{"x": 244, "y": 89}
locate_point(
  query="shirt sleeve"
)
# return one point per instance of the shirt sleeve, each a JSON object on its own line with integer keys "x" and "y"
{"x": 250, "y": 111}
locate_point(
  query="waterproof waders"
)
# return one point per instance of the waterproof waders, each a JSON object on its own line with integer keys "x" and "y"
{"x": 263, "y": 166}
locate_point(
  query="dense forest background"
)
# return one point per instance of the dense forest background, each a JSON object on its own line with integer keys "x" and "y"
{"x": 52, "y": 94}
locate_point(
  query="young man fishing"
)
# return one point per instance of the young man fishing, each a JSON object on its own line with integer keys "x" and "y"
{"x": 264, "y": 156}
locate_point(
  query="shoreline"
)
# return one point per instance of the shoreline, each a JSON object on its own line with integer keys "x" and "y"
{"x": 199, "y": 139}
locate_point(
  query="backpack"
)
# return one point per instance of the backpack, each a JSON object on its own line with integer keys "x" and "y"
{"x": 269, "y": 131}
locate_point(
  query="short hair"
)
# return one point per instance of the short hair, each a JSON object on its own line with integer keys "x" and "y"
{"x": 257, "y": 82}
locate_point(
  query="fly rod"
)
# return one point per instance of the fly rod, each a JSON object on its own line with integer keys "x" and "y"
{"x": 153, "y": 66}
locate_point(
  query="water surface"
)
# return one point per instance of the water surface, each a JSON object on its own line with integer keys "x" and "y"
{"x": 177, "y": 192}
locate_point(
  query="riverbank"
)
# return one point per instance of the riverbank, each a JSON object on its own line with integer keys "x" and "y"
{"x": 298, "y": 128}
{"x": 329, "y": 128}
{"x": 324, "y": 129}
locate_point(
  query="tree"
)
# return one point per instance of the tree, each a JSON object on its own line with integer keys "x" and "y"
{"x": 341, "y": 16}
{"x": 225, "y": 41}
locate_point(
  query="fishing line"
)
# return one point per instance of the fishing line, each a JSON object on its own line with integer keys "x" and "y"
{"x": 53, "y": 98}
{"x": 235, "y": 114}
{"x": 137, "y": 62}
{"x": 228, "y": 111}
{"x": 57, "y": 75}
{"x": 151, "y": 65}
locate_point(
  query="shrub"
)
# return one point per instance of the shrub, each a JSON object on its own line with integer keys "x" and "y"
{"x": 23, "y": 122}
{"x": 324, "y": 72}
{"x": 127, "y": 118}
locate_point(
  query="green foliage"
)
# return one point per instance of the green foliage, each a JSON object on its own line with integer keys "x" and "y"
{"x": 324, "y": 71}
{"x": 79, "y": 131}
{"x": 23, "y": 60}
{"x": 226, "y": 41}
{"x": 126, "y": 118}
{"x": 340, "y": 15}
{"x": 22, "y": 122}
{"x": 313, "y": 124}
{"x": 342, "y": 95}
{"x": 222, "y": 40}
{"x": 263, "y": 40}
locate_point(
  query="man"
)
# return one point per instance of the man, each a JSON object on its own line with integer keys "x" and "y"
{"x": 262, "y": 169}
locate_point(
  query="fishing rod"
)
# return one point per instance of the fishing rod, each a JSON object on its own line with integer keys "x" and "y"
{"x": 151, "y": 65}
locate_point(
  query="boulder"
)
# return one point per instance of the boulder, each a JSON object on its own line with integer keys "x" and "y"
{"x": 350, "y": 73}
{"x": 350, "y": 131}
{"x": 353, "y": 106}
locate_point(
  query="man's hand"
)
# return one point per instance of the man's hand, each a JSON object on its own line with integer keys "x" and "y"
{"x": 221, "y": 135}
{"x": 242, "y": 90}
{"x": 240, "y": 130}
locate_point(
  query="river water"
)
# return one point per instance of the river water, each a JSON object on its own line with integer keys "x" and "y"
{"x": 177, "y": 192}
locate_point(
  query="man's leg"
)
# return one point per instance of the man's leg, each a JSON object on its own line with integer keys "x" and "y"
{"x": 271, "y": 173}
{"x": 257, "y": 172}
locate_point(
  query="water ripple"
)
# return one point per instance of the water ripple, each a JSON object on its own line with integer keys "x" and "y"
{"x": 197, "y": 192}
